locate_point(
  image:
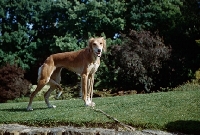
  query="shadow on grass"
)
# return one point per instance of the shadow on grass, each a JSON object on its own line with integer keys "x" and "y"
{"x": 21, "y": 109}
{"x": 187, "y": 127}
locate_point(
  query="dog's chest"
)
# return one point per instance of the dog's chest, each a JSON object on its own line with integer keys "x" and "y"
{"x": 92, "y": 68}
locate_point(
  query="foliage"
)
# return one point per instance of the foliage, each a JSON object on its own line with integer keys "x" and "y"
{"x": 16, "y": 46}
{"x": 185, "y": 52}
{"x": 154, "y": 14}
{"x": 137, "y": 61}
{"x": 12, "y": 83}
{"x": 169, "y": 111}
{"x": 198, "y": 42}
{"x": 189, "y": 22}
{"x": 196, "y": 78}
{"x": 67, "y": 43}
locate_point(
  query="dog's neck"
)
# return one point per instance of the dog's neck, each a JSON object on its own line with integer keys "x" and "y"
{"x": 95, "y": 58}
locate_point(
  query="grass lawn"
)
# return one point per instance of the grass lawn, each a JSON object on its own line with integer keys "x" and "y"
{"x": 177, "y": 111}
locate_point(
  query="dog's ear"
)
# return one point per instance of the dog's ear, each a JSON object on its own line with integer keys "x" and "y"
{"x": 104, "y": 44}
{"x": 90, "y": 42}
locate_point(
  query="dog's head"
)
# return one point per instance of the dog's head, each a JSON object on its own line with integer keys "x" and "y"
{"x": 97, "y": 45}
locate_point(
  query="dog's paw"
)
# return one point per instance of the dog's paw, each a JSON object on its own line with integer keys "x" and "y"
{"x": 92, "y": 104}
{"x": 51, "y": 106}
{"x": 29, "y": 109}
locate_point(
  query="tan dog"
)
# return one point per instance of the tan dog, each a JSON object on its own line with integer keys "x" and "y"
{"x": 84, "y": 62}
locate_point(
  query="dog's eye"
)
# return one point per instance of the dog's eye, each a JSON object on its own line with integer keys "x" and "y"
{"x": 94, "y": 44}
{"x": 101, "y": 43}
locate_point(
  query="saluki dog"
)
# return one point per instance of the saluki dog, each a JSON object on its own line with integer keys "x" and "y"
{"x": 84, "y": 62}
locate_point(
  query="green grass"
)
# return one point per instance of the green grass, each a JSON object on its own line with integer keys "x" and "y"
{"x": 171, "y": 111}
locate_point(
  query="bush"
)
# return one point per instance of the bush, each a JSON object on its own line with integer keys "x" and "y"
{"x": 137, "y": 61}
{"x": 12, "y": 83}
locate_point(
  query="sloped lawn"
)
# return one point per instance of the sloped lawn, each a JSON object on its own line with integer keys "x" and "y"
{"x": 177, "y": 111}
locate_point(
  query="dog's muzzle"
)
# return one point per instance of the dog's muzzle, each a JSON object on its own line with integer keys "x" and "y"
{"x": 98, "y": 53}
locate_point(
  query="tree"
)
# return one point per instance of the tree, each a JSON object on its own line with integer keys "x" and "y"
{"x": 16, "y": 46}
{"x": 82, "y": 17}
{"x": 153, "y": 15}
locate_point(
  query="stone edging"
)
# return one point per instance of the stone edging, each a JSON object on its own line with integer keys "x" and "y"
{"x": 16, "y": 129}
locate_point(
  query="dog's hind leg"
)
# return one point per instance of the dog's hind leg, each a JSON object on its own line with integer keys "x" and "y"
{"x": 38, "y": 88}
{"x": 44, "y": 74}
{"x": 54, "y": 83}
{"x": 55, "y": 80}
{"x": 46, "y": 97}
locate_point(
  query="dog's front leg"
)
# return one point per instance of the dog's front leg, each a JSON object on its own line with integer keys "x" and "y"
{"x": 85, "y": 90}
{"x": 84, "y": 78}
{"x": 90, "y": 89}
{"x": 91, "y": 93}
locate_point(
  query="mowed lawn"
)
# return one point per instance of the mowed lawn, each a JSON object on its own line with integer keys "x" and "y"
{"x": 176, "y": 111}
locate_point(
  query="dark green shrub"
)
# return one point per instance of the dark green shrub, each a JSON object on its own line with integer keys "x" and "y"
{"x": 137, "y": 61}
{"x": 12, "y": 83}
